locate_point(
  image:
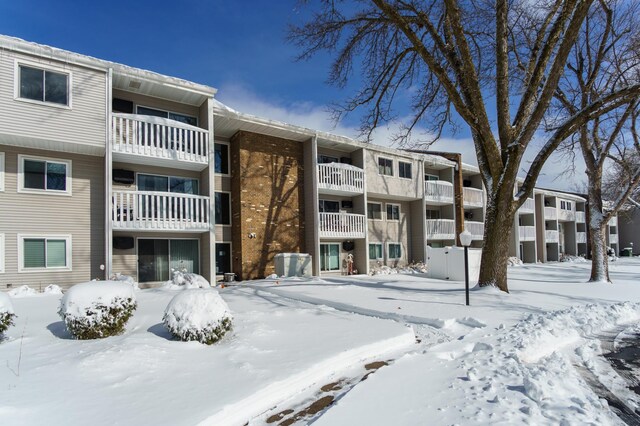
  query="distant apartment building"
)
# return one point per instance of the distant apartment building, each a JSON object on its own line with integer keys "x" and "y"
{"x": 106, "y": 168}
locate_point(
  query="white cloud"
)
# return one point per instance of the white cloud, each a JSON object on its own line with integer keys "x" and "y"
{"x": 313, "y": 116}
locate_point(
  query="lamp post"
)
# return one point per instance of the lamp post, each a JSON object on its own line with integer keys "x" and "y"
{"x": 465, "y": 240}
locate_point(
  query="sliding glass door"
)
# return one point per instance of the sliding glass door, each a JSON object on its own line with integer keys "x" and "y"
{"x": 157, "y": 258}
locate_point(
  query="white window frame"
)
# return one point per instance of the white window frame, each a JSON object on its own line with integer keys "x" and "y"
{"x": 381, "y": 251}
{"x": 2, "y": 171}
{"x": 381, "y": 211}
{"x": 228, "y": 158}
{"x": 214, "y": 210}
{"x": 2, "y": 253}
{"x": 389, "y": 251}
{"x": 22, "y": 189}
{"x": 410, "y": 164}
{"x": 59, "y": 70}
{"x": 66, "y": 237}
{"x": 378, "y": 158}
{"x": 387, "y": 212}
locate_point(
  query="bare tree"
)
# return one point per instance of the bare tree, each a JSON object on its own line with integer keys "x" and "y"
{"x": 604, "y": 59}
{"x": 459, "y": 55}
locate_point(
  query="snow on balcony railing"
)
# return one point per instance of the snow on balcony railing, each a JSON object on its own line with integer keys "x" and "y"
{"x": 581, "y": 217}
{"x": 566, "y": 215}
{"x": 581, "y": 237}
{"x": 527, "y": 233}
{"x": 159, "y": 137}
{"x": 439, "y": 191}
{"x": 528, "y": 206}
{"x": 473, "y": 197}
{"x": 551, "y": 236}
{"x": 342, "y": 225}
{"x": 341, "y": 177}
{"x": 476, "y": 229}
{"x": 441, "y": 229}
{"x": 550, "y": 213}
{"x": 147, "y": 210}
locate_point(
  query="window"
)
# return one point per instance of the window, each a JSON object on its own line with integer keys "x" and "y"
{"x": 38, "y": 253}
{"x": 375, "y": 251}
{"x": 374, "y": 211}
{"x": 221, "y": 158}
{"x": 327, "y": 206}
{"x": 394, "y": 250}
{"x": 385, "y": 166}
{"x": 326, "y": 159}
{"x": 39, "y": 174}
{"x": 1, "y": 253}
{"x": 43, "y": 85}
{"x": 433, "y": 214}
{"x": 223, "y": 208}
{"x": 329, "y": 257}
{"x": 428, "y": 177}
{"x": 393, "y": 211}
{"x": 404, "y": 170}
{"x": 186, "y": 119}
{"x": 566, "y": 205}
{"x": 1, "y": 171}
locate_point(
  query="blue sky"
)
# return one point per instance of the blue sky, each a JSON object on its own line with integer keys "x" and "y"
{"x": 238, "y": 47}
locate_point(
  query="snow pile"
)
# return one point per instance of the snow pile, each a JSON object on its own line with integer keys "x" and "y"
{"x": 198, "y": 314}
{"x": 412, "y": 268}
{"x": 52, "y": 289}
{"x": 97, "y": 309}
{"x": 124, "y": 278}
{"x": 23, "y": 291}
{"x": 514, "y": 261}
{"x": 572, "y": 259}
{"x": 185, "y": 280}
{"x": 6, "y": 312}
{"x": 272, "y": 277}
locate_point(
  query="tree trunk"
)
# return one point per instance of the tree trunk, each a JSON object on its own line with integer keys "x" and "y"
{"x": 498, "y": 226}
{"x": 597, "y": 229}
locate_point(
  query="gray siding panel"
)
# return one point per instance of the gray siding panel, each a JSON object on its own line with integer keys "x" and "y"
{"x": 80, "y": 215}
{"x": 84, "y": 123}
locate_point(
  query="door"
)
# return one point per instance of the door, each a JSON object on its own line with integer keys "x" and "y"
{"x": 157, "y": 258}
{"x": 329, "y": 257}
{"x": 223, "y": 258}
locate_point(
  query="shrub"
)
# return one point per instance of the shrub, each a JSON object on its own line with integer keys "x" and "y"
{"x": 97, "y": 309}
{"x": 6, "y": 312}
{"x": 198, "y": 314}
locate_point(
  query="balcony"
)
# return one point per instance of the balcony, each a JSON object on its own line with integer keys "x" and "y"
{"x": 340, "y": 179}
{"x": 438, "y": 192}
{"x": 550, "y": 213}
{"x": 476, "y": 229}
{"x": 159, "y": 211}
{"x": 342, "y": 225}
{"x": 528, "y": 207}
{"x": 581, "y": 217}
{"x": 566, "y": 215}
{"x": 613, "y": 221}
{"x": 551, "y": 236}
{"x": 441, "y": 229}
{"x": 158, "y": 141}
{"x": 581, "y": 237}
{"x": 527, "y": 233}
{"x": 473, "y": 197}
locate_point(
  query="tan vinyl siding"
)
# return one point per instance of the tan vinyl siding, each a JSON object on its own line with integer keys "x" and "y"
{"x": 80, "y": 215}
{"x": 392, "y": 185}
{"x": 417, "y": 241}
{"x": 386, "y": 231}
{"x": 83, "y": 124}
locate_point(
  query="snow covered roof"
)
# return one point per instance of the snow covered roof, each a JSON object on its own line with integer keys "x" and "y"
{"x": 560, "y": 194}
{"x": 144, "y": 81}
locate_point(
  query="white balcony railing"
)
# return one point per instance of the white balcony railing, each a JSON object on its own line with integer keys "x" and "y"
{"x": 473, "y": 197}
{"x": 441, "y": 229}
{"x": 581, "y": 217}
{"x": 159, "y": 138}
{"x": 613, "y": 221}
{"x": 341, "y": 178}
{"x": 145, "y": 210}
{"x": 551, "y": 236}
{"x": 550, "y": 213}
{"x": 568, "y": 215}
{"x": 527, "y": 233}
{"x": 476, "y": 229}
{"x": 342, "y": 225}
{"x": 581, "y": 237}
{"x": 528, "y": 206}
{"x": 439, "y": 191}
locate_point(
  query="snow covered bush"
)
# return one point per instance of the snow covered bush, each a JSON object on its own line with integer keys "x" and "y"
{"x": 6, "y": 312}
{"x": 23, "y": 291}
{"x": 186, "y": 280}
{"x": 198, "y": 314}
{"x": 52, "y": 289}
{"x": 97, "y": 309}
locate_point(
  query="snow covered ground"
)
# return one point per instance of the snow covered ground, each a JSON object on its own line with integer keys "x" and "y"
{"x": 506, "y": 359}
